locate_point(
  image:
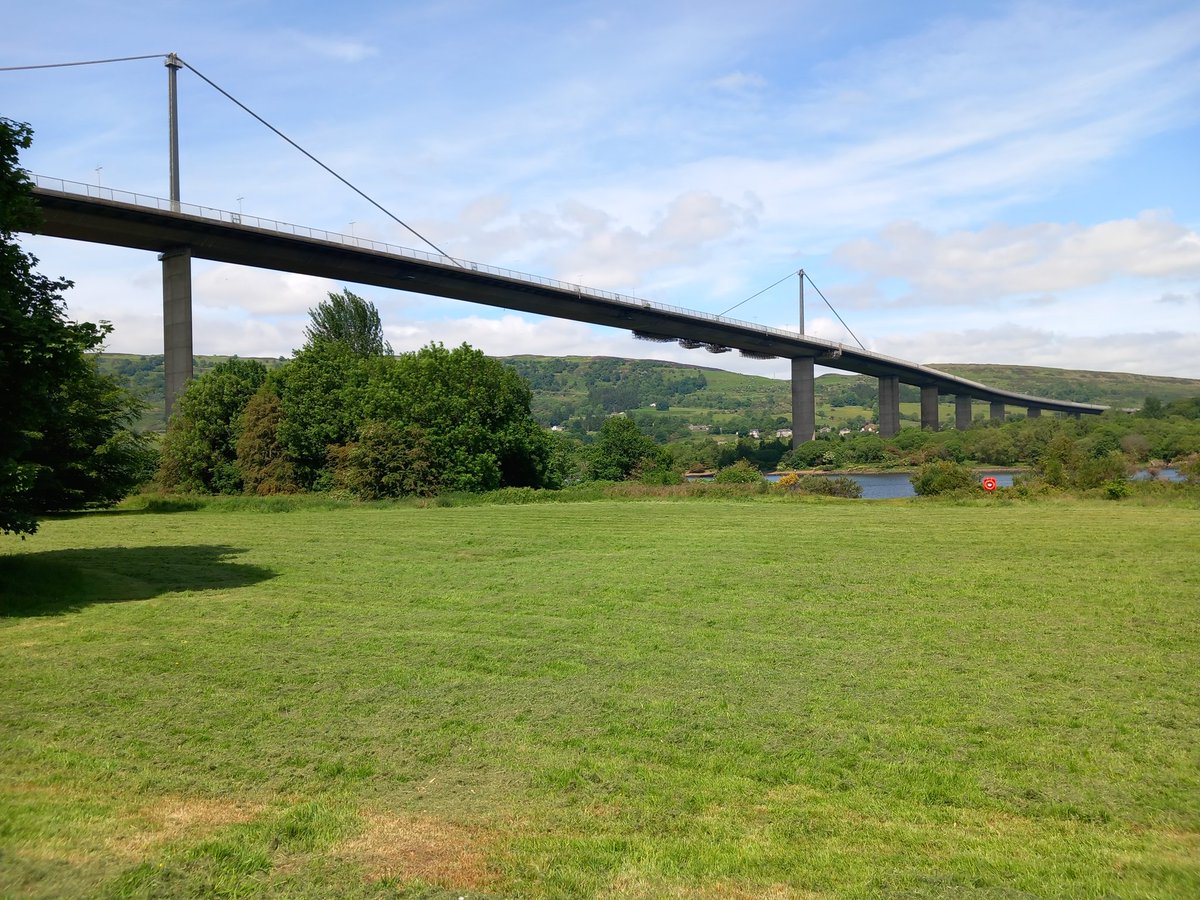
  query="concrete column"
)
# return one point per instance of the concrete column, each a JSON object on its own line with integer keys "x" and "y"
{"x": 889, "y": 406}
{"x": 929, "y": 407}
{"x": 962, "y": 412}
{"x": 997, "y": 411}
{"x": 177, "y": 321}
{"x": 1034, "y": 412}
{"x": 804, "y": 402}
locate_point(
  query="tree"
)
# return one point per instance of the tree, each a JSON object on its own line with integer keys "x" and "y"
{"x": 64, "y": 428}
{"x": 621, "y": 449}
{"x": 348, "y": 319}
{"x": 199, "y": 451}
{"x": 262, "y": 461}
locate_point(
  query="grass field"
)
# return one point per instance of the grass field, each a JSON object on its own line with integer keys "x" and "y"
{"x": 633, "y": 699}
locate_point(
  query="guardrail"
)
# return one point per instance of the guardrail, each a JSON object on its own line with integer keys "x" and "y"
{"x": 831, "y": 348}
{"x": 131, "y": 198}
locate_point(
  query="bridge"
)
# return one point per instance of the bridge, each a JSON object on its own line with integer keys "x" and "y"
{"x": 179, "y": 232}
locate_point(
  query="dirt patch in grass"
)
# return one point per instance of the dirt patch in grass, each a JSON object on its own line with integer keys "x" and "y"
{"x": 410, "y": 848}
{"x": 172, "y": 818}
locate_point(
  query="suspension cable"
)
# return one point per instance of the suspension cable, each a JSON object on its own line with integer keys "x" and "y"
{"x": 344, "y": 181}
{"x": 835, "y": 312}
{"x": 763, "y": 291}
{"x": 260, "y": 119}
{"x": 86, "y": 62}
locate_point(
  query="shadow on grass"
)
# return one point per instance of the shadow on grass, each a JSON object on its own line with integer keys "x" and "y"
{"x": 54, "y": 582}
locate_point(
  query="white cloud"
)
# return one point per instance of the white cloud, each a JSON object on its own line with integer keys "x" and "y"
{"x": 258, "y": 291}
{"x": 739, "y": 82}
{"x": 974, "y": 267}
{"x": 1169, "y": 353}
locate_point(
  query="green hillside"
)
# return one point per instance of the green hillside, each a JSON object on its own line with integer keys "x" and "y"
{"x": 1119, "y": 389}
{"x": 672, "y": 400}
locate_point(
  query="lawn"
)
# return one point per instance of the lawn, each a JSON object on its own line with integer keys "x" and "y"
{"x": 634, "y": 699}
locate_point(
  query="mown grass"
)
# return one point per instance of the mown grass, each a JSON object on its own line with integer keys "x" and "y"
{"x": 639, "y": 699}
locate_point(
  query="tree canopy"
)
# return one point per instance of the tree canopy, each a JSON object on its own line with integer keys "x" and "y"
{"x": 65, "y": 441}
{"x": 367, "y": 423}
{"x": 347, "y": 319}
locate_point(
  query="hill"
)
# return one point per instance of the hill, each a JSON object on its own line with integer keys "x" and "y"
{"x": 672, "y": 400}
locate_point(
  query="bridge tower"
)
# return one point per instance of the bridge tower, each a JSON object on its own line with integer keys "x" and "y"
{"x": 176, "y": 269}
{"x": 804, "y": 403}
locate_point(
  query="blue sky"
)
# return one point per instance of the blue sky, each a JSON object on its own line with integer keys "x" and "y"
{"x": 966, "y": 182}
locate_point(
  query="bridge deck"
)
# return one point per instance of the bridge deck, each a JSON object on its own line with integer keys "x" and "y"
{"x": 88, "y": 213}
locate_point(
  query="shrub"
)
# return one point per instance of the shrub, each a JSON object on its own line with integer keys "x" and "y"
{"x": 839, "y": 486}
{"x": 387, "y": 460}
{"x": 741, "y": 472}
{"x": 943, "y": 477}
{"x": 1116, "y": 489}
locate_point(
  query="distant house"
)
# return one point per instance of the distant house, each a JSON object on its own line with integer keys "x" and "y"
{"x": 754, "y": 433}
{"x": 697, "y": 428}
{"x": 784, "y": 433}
{"x": 870, "y": 428}
{"x": 824, "y": 429}
{"x": 843, "y": 432}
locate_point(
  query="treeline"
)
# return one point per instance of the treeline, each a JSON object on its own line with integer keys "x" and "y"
{"x": 345, "y": 414}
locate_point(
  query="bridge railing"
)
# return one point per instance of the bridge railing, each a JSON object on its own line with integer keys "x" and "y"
{"x": 236, "y": 218}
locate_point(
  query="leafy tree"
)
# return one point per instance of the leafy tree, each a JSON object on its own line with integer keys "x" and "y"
{"x": 262, "y": 461}
{"x": 322, "y": 392}
{"x": 1152, "y": 408}
{"x": 621, "y": 450}
{"x": 64, "y": 428}
{"x": 199, "y": 450}
{"x": 387, "y": 460}
{"x": 346, "y": 318}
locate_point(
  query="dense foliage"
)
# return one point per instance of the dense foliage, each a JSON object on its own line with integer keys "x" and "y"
{"x": 368, "y": 424}
{"x": 199, "y": 451}
{"x": 65, "y": 441}
{"x": 347, "y": 319}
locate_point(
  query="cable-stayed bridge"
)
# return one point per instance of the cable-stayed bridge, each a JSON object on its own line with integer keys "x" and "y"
{"x": 179, "y": 231}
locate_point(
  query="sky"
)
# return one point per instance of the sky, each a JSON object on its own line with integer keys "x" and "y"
{"x": 986, "y": 182}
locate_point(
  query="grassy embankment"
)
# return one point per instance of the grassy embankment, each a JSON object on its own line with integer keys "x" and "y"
{"x": 604, "y": 699}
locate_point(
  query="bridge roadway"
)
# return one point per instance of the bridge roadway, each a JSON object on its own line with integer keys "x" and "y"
{"x": 100, "y": 215}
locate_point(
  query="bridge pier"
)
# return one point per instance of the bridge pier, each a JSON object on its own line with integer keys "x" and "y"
{"x": 962, "y": 412}
{"x": 804, "y": 401}
{"x": 997, "y": 411}
{"x": 889, "y": 405}
{"x": 1033, "y": 412}
{"x": 177, "y": 322}
{"x": 929, "y": 407}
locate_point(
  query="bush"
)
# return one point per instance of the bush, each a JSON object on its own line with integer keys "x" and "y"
{"x": 839, "y": 486}
{"x": 741, "y": 472}
{"x": 387, "y": 460}
{"x": 1115, "y": 490}
{"x": 943, "y": 477}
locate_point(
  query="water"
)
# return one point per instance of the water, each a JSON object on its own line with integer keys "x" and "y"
{"x": 889, "y": 485}
{"x": 1163, "y": 475}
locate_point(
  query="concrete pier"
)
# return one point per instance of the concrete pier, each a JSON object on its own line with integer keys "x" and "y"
{"x": 929, "y": 407}
{"x": 997, "y": 411}
{"x": 804, "y": 403}
{"x": 889, "y": 405}
{"x": 962, "y": 412}
{"x": 177, "y": 321}
{"x": 1034, "y": 412}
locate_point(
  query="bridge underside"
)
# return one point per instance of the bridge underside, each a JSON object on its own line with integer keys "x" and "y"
{"x": 177, "y": 234}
